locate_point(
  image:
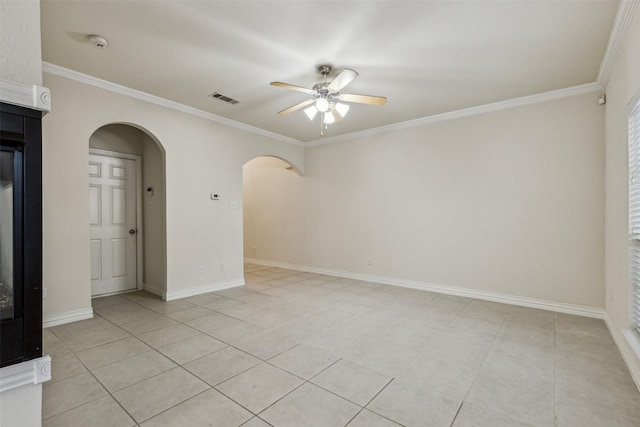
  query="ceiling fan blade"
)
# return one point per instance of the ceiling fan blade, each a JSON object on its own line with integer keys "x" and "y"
{"x": 293, "y": 87}
{"x": 363, "y": 99}
{"x": 296, "y": 107}
{"x": 344, "y": 78}
{"x": 336, "y": 114}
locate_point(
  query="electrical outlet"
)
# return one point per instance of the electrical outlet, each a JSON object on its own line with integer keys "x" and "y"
{"x": 254, "y": 250}
{"x": 44, "y": 293}
{"x": 221, "y": 267}
{"x": 369, "y": 261}
{"x": 201, "y": 269}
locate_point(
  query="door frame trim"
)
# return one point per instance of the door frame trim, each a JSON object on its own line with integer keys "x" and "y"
{"x": 139, "y": 240}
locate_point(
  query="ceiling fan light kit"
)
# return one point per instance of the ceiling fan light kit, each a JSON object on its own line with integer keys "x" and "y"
{"x": 311, "y": 112}
{"x": 341, "y": 108}
{"x": 322, "y": 105}
{"x": 329, "y": 119}
{"x": 325, "y": 97}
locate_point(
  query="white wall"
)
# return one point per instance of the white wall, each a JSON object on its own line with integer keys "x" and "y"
{"x": 624, "y": 83}
{"x": 20, "y": 52}
{"x": 21, "y": 406}
{"x": 509, "y": 202}
{"x": 202, "y": 157}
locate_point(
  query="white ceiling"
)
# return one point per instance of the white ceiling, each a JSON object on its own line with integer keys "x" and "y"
{"x": 426, "y": 57}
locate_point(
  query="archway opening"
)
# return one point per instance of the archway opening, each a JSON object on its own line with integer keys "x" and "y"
{"x": 127, "y": 206}
{"x": 272, "y": 221}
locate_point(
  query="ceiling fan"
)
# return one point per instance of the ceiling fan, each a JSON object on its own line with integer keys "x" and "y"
{"x": 326, "y": 97}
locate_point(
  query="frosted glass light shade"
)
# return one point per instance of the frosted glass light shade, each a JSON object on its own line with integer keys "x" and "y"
{"x": 322, "y": 105}
{"x": 328, "y": 118}
{"x": 341, "y": 108}
{"x": 311, "y": 112}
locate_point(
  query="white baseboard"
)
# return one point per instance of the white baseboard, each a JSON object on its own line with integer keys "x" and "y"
{"x": 198, "y": 290}
{"x": 629, "y": 347}
{"x": 155, "y": 291}
{"x": 68, "y": 317}
{"x": 560, "y": 307}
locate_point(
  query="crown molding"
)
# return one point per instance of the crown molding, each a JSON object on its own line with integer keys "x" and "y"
{"x": 466, "y": 112}
{"x": 57, "y": 70}
{"x": 619, "y": 31}
{"x": 30, "y": 96}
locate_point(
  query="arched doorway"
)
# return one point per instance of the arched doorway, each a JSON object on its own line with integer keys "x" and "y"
{"x": 270, "y": 196}
{"x": 127, "y": 211}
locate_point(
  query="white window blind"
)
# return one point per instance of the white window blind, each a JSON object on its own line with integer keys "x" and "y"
{"x": 634, "y": 211}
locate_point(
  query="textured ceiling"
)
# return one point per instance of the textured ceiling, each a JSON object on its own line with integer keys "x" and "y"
{"x": 426, "y": 57}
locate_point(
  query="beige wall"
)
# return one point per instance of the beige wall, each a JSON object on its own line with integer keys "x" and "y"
{"x": 20, "y": 52}
{"x": 118, "y": 138}
{"x": 153, "y": 216}
{"x": 508, "y": 202}
{"x": 128, "y": 139}
{"x": 623, "y": 85}
{"x": 202, "y": 157}
{"x": 274, "y": 223}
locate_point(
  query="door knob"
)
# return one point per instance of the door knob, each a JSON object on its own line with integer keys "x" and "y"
{"x": 132, "y": 231}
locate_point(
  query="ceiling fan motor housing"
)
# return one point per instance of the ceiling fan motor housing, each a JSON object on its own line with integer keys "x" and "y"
{"x": 325, "y": 70}
{"x": 322, "y": 90}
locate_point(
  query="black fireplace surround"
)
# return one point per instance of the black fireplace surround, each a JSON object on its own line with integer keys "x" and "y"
{"x": 20, "y": 234}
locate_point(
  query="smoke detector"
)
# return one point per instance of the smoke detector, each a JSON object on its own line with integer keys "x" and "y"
{"x": 98, "y": 41}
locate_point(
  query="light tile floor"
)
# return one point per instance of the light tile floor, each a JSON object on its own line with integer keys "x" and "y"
{"x": 301, "y": 349}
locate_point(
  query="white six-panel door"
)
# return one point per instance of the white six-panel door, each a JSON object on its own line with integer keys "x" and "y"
{"x": 112, "y": 222}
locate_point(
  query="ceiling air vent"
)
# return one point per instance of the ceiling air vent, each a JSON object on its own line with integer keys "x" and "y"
{"x": 221, "y": 97}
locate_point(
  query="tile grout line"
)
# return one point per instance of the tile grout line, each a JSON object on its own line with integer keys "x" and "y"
{"x": 165, "y": 314}
{"x": 457, "y": 413}
{"x": 493, "y": 343}
{"x": 363, "y": 408}
{"x": 153, "y": 376}
{"x": 94, "y": 377}
{"x": 111, "y": 394}
{"x": 173, "y": 406}
{"x": 181, "y": 366}
{"x": 331, "y": 304}
{"x": 178, "y": 365}
{"x": 304, "y": 381}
